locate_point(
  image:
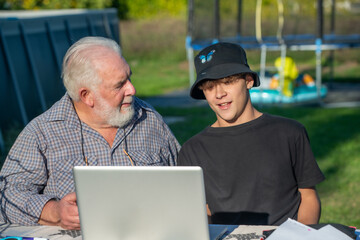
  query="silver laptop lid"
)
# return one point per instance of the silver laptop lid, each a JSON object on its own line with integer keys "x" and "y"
{"x": 134, "y": 203}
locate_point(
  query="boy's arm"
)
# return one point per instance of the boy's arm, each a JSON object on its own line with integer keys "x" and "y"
{"x": 310, "y": 206}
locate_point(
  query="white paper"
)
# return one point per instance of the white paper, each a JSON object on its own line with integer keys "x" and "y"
{"x": 293, "y": 230}
{"x": 331, "y": 233}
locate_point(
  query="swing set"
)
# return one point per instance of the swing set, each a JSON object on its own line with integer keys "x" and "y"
{"x": 222, "y": 21}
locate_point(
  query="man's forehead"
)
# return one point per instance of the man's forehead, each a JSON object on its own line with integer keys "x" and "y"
{"x": 99, "y": 53}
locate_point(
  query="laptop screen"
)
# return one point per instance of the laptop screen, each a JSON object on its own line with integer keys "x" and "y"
{"x": 133, "y": 203}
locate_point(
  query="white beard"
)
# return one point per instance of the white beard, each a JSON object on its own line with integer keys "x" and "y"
{"x": 112, "y": 115}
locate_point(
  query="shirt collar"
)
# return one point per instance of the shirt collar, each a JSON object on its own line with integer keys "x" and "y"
{"x": 62, "y": 110}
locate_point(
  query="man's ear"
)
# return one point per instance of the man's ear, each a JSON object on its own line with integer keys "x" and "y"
{"x": 86, "y": 96}
{"x": 249, "y": 81}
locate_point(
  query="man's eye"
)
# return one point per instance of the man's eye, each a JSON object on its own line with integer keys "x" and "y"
{"x": 121, "y": 85}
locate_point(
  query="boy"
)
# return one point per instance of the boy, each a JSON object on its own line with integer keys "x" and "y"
{"x": 258, "y": 168}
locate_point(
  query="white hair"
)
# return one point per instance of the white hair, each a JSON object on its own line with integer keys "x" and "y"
{"x": 78, "y": 68}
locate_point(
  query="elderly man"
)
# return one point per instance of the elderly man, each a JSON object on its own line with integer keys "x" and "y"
{"x": 97, "y": 122}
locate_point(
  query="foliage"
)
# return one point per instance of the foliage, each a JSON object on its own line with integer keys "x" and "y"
{"x": 54, "y": 4}
{"x": 122, "y": 7}
{"x": 126, "y": 8}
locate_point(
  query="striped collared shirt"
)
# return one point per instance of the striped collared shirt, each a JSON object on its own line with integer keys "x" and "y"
{"x": 39, "y": 165}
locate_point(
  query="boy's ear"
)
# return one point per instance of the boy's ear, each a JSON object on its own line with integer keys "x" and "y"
{"x": 249, "y": 81}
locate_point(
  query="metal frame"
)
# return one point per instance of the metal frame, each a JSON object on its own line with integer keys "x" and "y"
{"x": 317, "y": 43}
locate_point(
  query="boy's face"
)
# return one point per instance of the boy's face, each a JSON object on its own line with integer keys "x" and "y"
{"x": 229, "y": 99}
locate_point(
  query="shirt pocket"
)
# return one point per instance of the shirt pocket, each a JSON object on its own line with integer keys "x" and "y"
{"x": 144, "y": 157}
{"x": 63, "y": 173}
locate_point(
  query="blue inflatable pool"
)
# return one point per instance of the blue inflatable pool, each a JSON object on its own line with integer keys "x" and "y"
{"x": 302, "y": 94}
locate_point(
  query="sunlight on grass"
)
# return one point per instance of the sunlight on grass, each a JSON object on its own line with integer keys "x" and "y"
{"x": 168, "y": 77}
{"x": 340, "y": 190}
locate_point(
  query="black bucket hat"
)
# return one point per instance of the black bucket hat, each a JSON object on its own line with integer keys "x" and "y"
{"x": 219, "y": 61}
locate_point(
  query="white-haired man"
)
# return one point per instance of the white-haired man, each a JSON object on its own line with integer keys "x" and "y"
{"x": 97, "y": 122}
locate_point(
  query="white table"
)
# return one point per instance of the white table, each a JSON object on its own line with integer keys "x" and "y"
{"x": 58, "y": 233}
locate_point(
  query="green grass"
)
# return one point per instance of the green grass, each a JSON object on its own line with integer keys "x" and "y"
{"x": 155, "y": 51}
{"x": 169, "y": 77}
{"x": 334, "y": 135}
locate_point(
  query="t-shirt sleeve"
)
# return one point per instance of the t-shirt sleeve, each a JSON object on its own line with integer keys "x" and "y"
{"x": 306, "y": 169}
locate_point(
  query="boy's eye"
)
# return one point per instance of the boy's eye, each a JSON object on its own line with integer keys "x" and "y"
{"x": 210, "y": 86}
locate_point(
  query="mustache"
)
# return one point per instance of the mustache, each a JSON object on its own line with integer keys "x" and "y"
{"x": 128, "y": 100}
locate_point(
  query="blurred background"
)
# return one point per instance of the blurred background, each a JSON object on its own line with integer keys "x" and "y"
{"x": 152, "y": 35}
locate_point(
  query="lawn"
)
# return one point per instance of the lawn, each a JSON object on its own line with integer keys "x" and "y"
{"x": 155, "y": 51}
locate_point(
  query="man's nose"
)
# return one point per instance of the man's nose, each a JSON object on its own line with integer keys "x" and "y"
{"x": 130, "y": 89}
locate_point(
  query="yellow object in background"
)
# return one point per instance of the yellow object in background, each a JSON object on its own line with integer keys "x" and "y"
{"x": 290, "y": 74}
{"x": 288, "y": 89}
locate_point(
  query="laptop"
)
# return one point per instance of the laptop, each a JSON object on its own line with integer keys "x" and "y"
{"x": 134, "y": 203}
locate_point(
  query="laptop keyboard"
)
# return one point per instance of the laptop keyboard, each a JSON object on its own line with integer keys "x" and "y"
{"x": 246, "y": 236}
{"x": 71, "y": 233}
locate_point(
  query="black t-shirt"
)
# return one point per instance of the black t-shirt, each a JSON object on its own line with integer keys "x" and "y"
{"x": 252, "y": 171}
